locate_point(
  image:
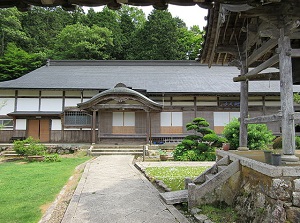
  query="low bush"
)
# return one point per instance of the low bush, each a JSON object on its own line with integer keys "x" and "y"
{"x": 29, "y": 147}
{"x": 258, "y": 135}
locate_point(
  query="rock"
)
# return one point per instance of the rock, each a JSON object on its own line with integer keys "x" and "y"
{"x": 201, "y": 218}
{"x": 195, "y": 211}
{"x": 293, "y": 214}
{"x": 297, "y": 185}
{"x": 296, "y": 199}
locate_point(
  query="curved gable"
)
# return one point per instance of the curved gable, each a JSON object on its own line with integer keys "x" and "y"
{"x": 120, "y": 97}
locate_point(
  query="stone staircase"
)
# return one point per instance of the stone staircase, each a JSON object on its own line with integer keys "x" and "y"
{"x": 204, "y": 184}
{"x": 10, "y": 153}
{"x": 99, "y": 150}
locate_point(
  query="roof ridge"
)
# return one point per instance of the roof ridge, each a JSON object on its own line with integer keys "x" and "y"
{"x": 123, "y": 63}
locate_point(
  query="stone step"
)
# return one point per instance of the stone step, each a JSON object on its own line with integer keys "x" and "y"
{"x": 209, "y": 176}
{"x": 11, "y": 155}
{"x": 116, "y": 153}
{"x": 118, "y": 146}
{"x": 116, "y": 150}
{"x": 8, "y": 152}
{"x": 175, "y": 197}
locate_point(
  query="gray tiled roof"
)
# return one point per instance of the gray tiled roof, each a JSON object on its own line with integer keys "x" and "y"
{"x": 152, "y": 76}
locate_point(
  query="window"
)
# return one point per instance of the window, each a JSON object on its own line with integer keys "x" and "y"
{"x": 171, "y": 122}
{"x": 223, "y": 118}
{"x": 6, "y": 124}
{"x": 123, "y": 122}
{"x": 77, "y": 118}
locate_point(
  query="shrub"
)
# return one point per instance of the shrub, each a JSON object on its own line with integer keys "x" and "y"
{"x": 258, "y": 135}
{"x": 200, "y": 146}
{"x": 52, "y": 158}
{"x": 29, "y": 147}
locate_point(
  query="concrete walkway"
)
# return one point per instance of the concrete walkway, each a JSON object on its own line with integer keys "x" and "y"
{"x": 112, "y": 190}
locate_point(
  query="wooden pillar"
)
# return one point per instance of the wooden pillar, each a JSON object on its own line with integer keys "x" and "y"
{"x": 99, "y": 132}
{"x": 94, "y": 127}
{"x": 286, "y": 98}
{"x": 148, "y": 127}
{"x": 243, "y": 111}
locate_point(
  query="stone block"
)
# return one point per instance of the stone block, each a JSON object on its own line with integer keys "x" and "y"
{"x": 293, "y": 214}
{"x": 280, "y": 189}
{"x": 297, "y": 185}
{"x": 201, "y": 218}
{"x": 296, "y": 199}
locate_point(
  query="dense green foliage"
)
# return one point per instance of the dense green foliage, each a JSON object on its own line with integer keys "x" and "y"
{"x": 26, "y": 187}
{"x": 29, "y": 147}
{"x": 28, "y": 39}
{"x": 201, "y": 145}
{"x": 259, "y": 136}
{"x": 173, "y": 177}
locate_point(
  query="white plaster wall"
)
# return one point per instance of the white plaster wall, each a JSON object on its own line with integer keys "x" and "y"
{"x": 207, "y": 103}
{"x": 56, "y": 124}
{"x": 72, "y": 101}
{"x": 28, "y": 104}
{"x": 9, "y": 105}
{"x": 183, "y": 103}
{"x": 165, "y": 119}
{"x": 51, "y": 104}
{"x": 223, "y": 118}
{"x": 20, "y": 124}
{"x": 129, "y": 119}
{"x": 176, "y": 118}
{"x": 117, "y": 119}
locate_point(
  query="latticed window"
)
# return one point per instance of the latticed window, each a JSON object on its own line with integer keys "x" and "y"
{"x": 77, "y": 118}
{"x": 6, "y": 124}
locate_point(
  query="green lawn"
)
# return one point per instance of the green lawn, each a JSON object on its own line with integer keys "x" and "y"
{"x": 25, "y": 187}
{"x": 173, "y": 177}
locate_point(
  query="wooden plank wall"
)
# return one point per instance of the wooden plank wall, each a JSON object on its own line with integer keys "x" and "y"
{"x": 155, "y": 123}
{"x": 140, "y": 122}
{"x": 105, "y": 122}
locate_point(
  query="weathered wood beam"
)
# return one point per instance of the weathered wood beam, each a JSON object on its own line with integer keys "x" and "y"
{"x": 264, "y": 119}
{"x": 259, "y": 77}
{"x": 216, "y": 39}
{"x": 267, "y": 46}
{"x": 268, "y": 63}
{"x": 296, "y": 116}
{"x": 295, "y": 53}
{"x": 295, "y": 35}
{"x": 227, "y": 49}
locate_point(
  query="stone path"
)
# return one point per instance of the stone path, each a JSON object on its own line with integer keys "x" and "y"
{"x": 112, "y": 190}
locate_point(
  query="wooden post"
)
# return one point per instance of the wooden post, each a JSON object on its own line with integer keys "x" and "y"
{"x": 243, "y": 111}
{"x": 148, "y": 127}
{"x": 286, "y": 98}
{"x": 94, "y": 127}
{"x": 99, "y": 132}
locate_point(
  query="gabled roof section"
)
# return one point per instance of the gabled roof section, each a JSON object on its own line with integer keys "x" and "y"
{"x": 120, "y": 93}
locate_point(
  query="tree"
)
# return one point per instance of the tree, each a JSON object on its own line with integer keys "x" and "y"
{"x": 82, "y": 42}
{"x": 11, "y": 30}
{"x": 43, "y": 25}
{"x": 157, "y": 39}
{"x": 15, "y": 62}
{"x": 190, "y": 41}
{"x": 200, "y": 145}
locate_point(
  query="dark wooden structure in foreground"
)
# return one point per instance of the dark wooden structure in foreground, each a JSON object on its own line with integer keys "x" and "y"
{"x": 254, "y": 36}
